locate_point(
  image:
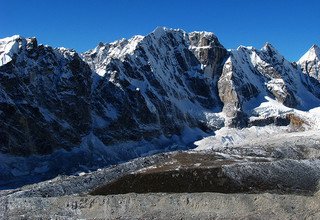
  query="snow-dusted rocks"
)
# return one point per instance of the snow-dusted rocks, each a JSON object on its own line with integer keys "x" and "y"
{"x": 9, "y": 47}
{"x": 208, "y": 50}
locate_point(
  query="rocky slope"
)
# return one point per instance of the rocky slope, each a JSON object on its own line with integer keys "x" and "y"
{"x": 148, "y": 93}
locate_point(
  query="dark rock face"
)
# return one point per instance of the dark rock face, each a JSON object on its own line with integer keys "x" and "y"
{"x": 45, "y": 99}
{"x": 173, "y": 181}
{"x": 208, "y": 51}
{"x": 279, "y": 121}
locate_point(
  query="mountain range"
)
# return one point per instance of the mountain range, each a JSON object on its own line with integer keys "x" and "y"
{"x": 141, "y": 95}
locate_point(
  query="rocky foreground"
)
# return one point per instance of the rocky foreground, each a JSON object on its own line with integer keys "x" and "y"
{"x": 165, "y": 206}
{"x": 265, "y": 180}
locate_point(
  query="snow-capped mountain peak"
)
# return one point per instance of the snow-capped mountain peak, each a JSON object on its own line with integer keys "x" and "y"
{"x": 312, "y": 54}
{"x": 162, "y": 31}
{"x": 101, "y": 55}
{"x": 272, "y": 51}
{"x": 310, "y": 62}
{"x": 268, "y": 46}
{"x": 8, "y": 47}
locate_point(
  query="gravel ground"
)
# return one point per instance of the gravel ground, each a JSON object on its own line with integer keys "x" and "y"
{"x": 164, "y": 206}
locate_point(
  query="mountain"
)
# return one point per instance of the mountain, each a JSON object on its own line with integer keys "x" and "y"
{"x": 139, "y": 88}
{"x": 156, "y": 85}
{"x": 251, "y": 77}
{"x": 310, "y": 62}
{"x": 123, "y": 99}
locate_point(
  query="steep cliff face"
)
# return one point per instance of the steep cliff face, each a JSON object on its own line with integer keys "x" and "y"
{"x": 208, "y": 50}
{"x": 44, "y": 95}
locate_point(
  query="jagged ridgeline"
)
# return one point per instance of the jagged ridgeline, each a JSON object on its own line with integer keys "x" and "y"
{"x": 142, "y": 88}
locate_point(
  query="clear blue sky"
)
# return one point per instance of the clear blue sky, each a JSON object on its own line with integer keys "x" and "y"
{"x": 292, "y": 26}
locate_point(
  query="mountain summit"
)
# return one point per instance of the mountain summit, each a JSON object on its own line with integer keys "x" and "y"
{"x": 310, "y": 62}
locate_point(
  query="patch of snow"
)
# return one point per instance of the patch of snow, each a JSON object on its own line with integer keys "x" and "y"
{"x": 8, "y": 47}
{"x": 277, "y": 85}
{"x": 271, "y": 108}
{"x": 65, "y": 52}
{"x": 226, "y": 137}
{"x": 101, "y": 71}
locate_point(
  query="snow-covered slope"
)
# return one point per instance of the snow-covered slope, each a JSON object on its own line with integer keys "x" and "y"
{"x": 8, "y": 47}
